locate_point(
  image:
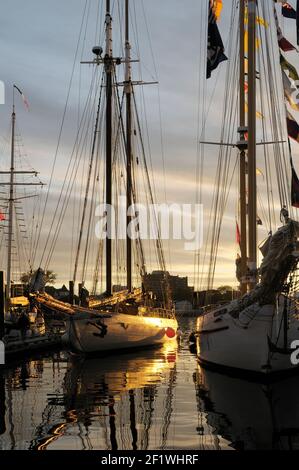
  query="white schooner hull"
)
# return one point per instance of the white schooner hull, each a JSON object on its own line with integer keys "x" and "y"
{"x": 253, "y": 343}
{"x": 255, "y": 334}
{"x": 118, "y": 331}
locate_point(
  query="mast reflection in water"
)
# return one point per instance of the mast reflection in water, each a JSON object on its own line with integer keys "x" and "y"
{"x": 143, "y": 400}
{"x": 159, "y": 399}
{"x": 251, "y": 416}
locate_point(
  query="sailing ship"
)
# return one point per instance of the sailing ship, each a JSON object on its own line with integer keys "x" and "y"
{"x": 130, "y": 318}
{"x": 13, "y": 224}
{"x": 254, "y": 335}
{"x": 18, "y": 185}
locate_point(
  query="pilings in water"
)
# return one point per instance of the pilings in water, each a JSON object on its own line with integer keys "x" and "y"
{"x": 71, "y": 290}
{"x": 80, "y": 287}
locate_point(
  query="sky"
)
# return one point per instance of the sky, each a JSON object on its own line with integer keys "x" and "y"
{"x": 37, "y": 47}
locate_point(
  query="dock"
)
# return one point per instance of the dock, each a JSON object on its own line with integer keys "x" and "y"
{"x": 16, "y": 346}
{"x": 21, "y": 347}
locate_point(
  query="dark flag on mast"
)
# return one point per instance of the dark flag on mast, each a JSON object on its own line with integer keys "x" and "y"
{"x": 288, "y": 11}
{"x": 295, "y": 187}
{"x": 215, "y": 45}
{"x": 284, "y": 44}
{"x": 293, "y": 127}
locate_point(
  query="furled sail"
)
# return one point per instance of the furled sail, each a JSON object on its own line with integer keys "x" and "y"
{"x": 278, "y": 262}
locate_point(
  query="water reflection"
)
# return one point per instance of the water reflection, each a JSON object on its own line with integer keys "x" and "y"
{"x": 2, "y": 404}
{"x": 250, "y": 415}
{"x": 150, "y": 400}
{"x": 116, "y": 395}
{"x": 115, "y": 402}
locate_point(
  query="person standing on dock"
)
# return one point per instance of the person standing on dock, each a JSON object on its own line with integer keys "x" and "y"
{"x": 24, "y": 324}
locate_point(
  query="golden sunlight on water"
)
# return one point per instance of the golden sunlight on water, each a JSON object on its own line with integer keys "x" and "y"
{"x": 130, "y": 401}
{"x": 158, "y": 399}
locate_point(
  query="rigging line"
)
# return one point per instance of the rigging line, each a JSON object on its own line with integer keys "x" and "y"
{"x": 158, "y": 241}
{"x": 64, "y": 207}
{"x": 266, "y": 152}
{"x": 120, "y": 144}
{"x": 271, "y": 41}
{"x": 84, "y": 150}
{"x": 143, "y": 102}
{"x": 222, "y": 163}
{"x": 219, "y": 212}
{"x": 78, "y": 138}
{"x": 147, "y": 198}
{"x": 91, "y": 212}
{"x": 140, "y": 252}
{"x": 121, "y": 128}
{"x": 37, "y": 222}
{"x": 66, "y": 200}
{"x": 78, "y": 126}
{"x": 121, "y": 35}
{"x": 140, "y": 258}
{"x": 230, "y": 77}
{"x": 265, "y": 220}
{"x": 201, "y": 100}
{"x": 88, "y": 182}
{"x": 152, "y": 197}
{"x": 98, "y": 9}
{"x": 99, "y": 259}
{"x": 100, "y": 242}
{"x": 159, "y": 103}
{"x": 283, "y": 163}
{"x": 61, "y": 127}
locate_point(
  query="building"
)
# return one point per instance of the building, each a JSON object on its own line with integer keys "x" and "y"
{"x": 62, "y": 293}
{"x": 157, "y": 283}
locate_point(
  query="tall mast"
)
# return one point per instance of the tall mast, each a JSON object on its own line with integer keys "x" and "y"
{"x": 11, "y": 202}
{"x": 128, "y": 91}
{"x": 252, "y": 198}
{"x": 109, "y": 70}
{"x": 243, "y": 147}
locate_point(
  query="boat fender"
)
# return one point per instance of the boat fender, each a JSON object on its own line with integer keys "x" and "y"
{"x": 170, "y": 332}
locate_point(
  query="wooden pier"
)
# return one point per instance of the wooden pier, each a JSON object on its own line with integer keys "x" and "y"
{"x": 22, "y": 347}
{"x": 16, "y": 346}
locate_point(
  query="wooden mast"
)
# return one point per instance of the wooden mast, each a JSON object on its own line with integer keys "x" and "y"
{"x": 252, "y": 197}
{"x": 243, "y": 147}
{"x": 11, "y": 184}
{"x": 109, "y": 70}
{"x": 128, "y": 91}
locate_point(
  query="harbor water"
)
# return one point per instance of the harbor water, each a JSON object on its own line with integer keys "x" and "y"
{"x": 158, "y": 399}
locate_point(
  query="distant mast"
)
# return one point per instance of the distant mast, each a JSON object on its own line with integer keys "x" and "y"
{"x": 11, "y": 202}
{"x": 252, "y": 190}
{"x": 12, "y": 197}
